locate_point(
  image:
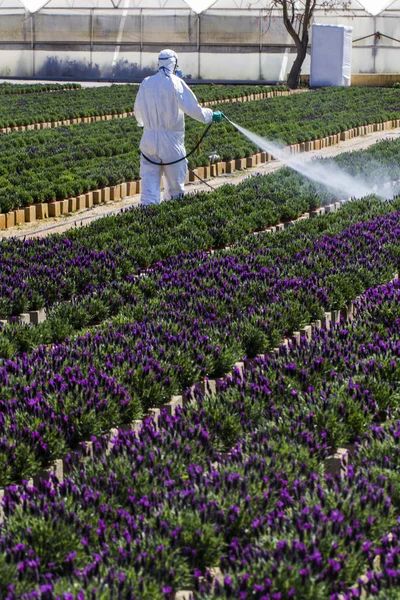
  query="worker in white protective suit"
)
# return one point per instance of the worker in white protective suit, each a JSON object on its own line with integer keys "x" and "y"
{"x": 160, "y": 105}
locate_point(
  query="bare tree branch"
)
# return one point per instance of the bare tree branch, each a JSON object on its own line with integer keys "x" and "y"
{"x": 302, "y": 12}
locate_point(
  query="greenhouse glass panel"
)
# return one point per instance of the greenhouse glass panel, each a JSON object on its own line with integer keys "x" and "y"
{"x": 15, "y": 28}
{"x": 115, "y": 26}
{"x": 66, "y": 26}
{"x": 273, "y": 31}
{"x": 169, "y": 29}
{"x": 243, "y": 30}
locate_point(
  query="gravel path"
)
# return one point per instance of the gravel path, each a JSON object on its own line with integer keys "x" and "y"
{"x": 63, "y": 223}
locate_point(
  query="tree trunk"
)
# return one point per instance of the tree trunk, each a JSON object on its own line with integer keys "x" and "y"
{"x": 294, "y": 75}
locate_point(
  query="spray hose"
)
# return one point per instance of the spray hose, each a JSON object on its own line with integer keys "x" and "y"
{"x": 174, "y": 162}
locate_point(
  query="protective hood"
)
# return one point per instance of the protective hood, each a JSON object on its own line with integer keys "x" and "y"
{"x": 167, "y": 60}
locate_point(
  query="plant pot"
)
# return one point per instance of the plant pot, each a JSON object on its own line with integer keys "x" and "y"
{"x": 10, "y": 219}
{"x": 21, "y": 318}
{"x": 37, "y": 316}
{"x": 64, "y": 206}
{"x": 326, "y": 322}
{"x": 230, "y": 166}
{"x": 154, "y": 413}
{"x": 306, "y": 332}
{"x": 173, "y": 404}
{"x": 89, "y": 200}
{"x": 81, "y": 202}
{"x": 124, "y": 190}
{"x": 71, "y": 205}
{"x": 192, "y": 177}
{"x": 115, "y": 193}
{"x": 19, "y": 216}
{"x": 133, "y": 426}
{"x": 213, "y": 170}
{"x": 96, "y": 197}
{"x": 206, "y": 172}
{"x": 105, "y": 194}
{"x": 249, "y": 363}
{"x": 295, "y": 338}
{"x": 240, "y": 163}
{"x": 250, "y": 162}
{"x": 221, "y": 167}
{"x": 131, "y": 188}
{"x": 42, "y": 210}
{"x": 55, "y": 208}
{"x": 239, "y": 367}
{"x": 336, "y": 464}
{"x": 30, "y": 214}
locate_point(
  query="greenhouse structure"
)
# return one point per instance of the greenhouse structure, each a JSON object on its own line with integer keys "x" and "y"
{"x": 220, "y": 40}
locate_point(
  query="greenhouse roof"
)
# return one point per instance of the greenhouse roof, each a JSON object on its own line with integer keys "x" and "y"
{"x": 374, "y": 7}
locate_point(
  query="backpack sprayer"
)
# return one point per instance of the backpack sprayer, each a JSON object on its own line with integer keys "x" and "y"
{"x": 213, "y": 158}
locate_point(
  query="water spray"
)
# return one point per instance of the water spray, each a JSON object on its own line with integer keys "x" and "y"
{"x": 328, "y": 175}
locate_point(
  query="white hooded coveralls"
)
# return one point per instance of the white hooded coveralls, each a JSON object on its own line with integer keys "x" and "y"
{"x": 160, "y": 105}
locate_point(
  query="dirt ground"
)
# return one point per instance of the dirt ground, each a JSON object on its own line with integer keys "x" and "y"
{"x": 63, "y": 223}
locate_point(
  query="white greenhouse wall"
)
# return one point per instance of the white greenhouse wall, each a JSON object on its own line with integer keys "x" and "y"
{"x": 225, "y": 45}
{"x": 15, "y": 63}
{"x": 272, "y": 67}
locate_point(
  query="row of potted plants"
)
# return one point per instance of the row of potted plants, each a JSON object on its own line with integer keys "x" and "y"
{"x": 67, "y": 161}
{"x": 192, "y": 315}
{"x": 210, "y": 93}
{"x": 294, "y": 119}
{"x": 228, "y": 497}
{"x": 74, "y": 102}
{"x": 17, "y": 110}
{"x": 59, "y": 163}
{"x": 7, "y": 88}
{"x": 65, "y": 319}
{"x": 37, "y": 273}
{"x": 104, "y": 300}
{"x": 116, "y": 192}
